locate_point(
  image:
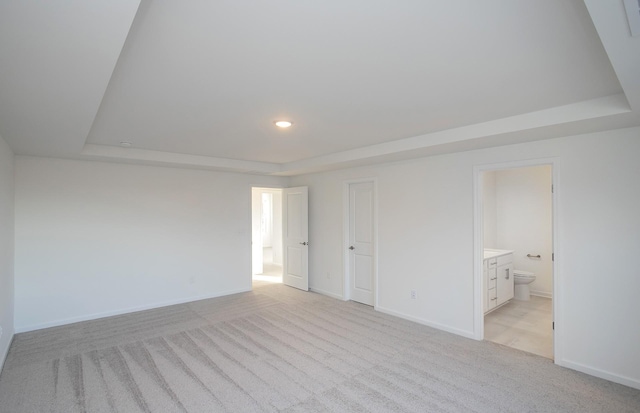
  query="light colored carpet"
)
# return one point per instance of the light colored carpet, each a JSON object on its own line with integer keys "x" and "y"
{"x": 280, "y": 349}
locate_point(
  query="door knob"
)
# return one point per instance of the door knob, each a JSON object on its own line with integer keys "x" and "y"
{"x": 304, "y": 243}
{"x": 352, "y": 247}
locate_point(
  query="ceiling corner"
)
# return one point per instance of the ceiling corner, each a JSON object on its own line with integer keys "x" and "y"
{"x": 64, "y": 54}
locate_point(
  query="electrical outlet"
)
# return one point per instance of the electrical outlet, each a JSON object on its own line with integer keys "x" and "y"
{"x": 414, "y": 294}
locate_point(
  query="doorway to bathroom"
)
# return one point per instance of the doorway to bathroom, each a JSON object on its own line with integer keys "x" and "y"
{"x": 517, "y": 253}
{"x": 266, "y": 235}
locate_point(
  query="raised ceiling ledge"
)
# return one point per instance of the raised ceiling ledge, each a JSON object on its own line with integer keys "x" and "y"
{"x": 486, "y": 134}
{"x": 149, "y": 157}
{"x": 567, "y": 114}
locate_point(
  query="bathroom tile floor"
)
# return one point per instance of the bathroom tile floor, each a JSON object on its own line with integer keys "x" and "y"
{"x": 525, "y": 325}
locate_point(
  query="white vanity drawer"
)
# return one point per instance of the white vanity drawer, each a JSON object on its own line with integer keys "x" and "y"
{"x": 492, "y": 282}
{"x": 492, "y": 262}
{"x": 505, "y": 259}
{"x": 493, "y": 299}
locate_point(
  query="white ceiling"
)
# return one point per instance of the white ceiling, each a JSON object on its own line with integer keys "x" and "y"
{"x": 199, "y": 83}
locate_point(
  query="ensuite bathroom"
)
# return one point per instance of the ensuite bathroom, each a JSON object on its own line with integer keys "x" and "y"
{"x": 517, "y": 211}
{"x": 266, "y": 235}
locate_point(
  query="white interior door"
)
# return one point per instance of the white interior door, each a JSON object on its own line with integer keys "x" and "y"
{"x": 361, "y": 242}
{"x": 295, "y": 225}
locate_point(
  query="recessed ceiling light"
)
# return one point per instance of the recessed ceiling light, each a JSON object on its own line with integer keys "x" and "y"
{"x": 125, "y": 144}
{"x": 283, "y": 123}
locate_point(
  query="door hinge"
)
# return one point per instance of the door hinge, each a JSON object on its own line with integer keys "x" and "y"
{"x": 552, "y": 188}
{"x": 553, "y": 256}
{"x": 553, "y": 325}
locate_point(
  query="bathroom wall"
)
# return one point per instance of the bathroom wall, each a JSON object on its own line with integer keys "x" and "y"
{"x": 523, "y": 207}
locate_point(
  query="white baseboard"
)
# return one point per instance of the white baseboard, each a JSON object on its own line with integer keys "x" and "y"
{"x": 94, "y": 316}
{"x": 443, "y": 327}
{"x": 5, "y": 351}
{"x": 616, "y": 378}
{"x": 327, "y": 293}
{"x": 542, "y": 294}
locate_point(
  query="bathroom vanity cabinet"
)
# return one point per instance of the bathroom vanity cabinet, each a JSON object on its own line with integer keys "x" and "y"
{"x": 497, "y": 278}
{"x": 489, "y": 284}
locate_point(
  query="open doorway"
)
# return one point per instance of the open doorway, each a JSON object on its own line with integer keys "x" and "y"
{"x": 517, "y": 257}
{"x": 266, "y": 237}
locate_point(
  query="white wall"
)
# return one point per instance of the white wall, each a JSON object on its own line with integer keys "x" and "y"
{"x": 489, "y": 210}
{"x": 95, "y": 239}
{"x": 426, "y": 234}
{"x": 524, "y": 221}
{"x": 6, "y": 248}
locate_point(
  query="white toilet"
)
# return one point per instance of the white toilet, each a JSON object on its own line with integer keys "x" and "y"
{"x": 521, "y": 281}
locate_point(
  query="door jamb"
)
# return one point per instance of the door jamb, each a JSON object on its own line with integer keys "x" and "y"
{"x": 346, "y": 291}
{"x": 478, "y": 237}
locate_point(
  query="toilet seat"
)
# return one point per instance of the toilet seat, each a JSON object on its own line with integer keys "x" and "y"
{"x": 523, "y": 274}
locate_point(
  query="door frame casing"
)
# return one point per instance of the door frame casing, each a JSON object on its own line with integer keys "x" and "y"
{"x": 478, "y": 240}
{"x": 346, "y": 286}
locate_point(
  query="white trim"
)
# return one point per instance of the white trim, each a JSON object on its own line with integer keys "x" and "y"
{"x": 402, "y": 149}
{"x": 478, "y": 237}
{"x": 443, "y": 327}
{"x": 345, "y": 237}
{"x": 616, "y": 378}
{"x": 543, "y": 294}
{"x": 5, "y": 352}
{"x": 556, "y": 292}
{"x": 324, "y": 292}
{"x": 95, "y": 316}
{"x": 268, "y": 187}
{"x": 478, "y": 255}
{"x": 345, "y": 242}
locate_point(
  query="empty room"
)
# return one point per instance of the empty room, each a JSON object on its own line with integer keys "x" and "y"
{"x": 336, "y": 206}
